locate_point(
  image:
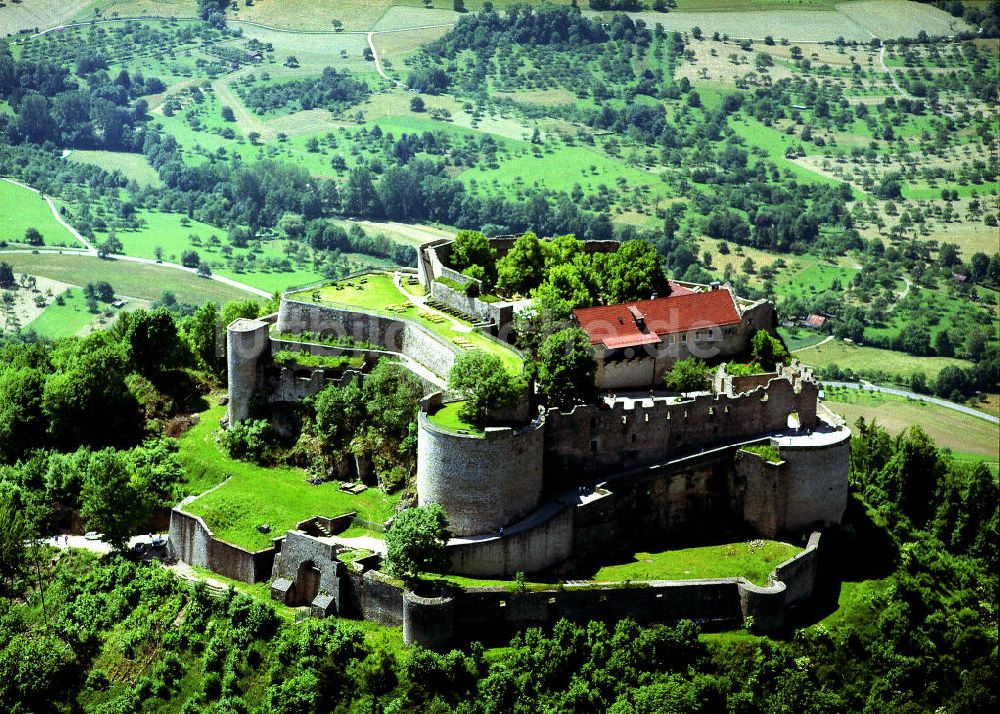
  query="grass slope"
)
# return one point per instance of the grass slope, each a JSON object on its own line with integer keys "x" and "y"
{"x": 278, "y": 496}
{"x": 753, "y": 561}
{"x": 133, "y": 166}
{"x": 896, "y": 364}
{"x": 67, "y": 320}
{"x": 22, "y": 209}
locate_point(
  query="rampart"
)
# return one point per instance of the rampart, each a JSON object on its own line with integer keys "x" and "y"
{"x": 193, "y": 542}
{"x": 490, "y": 614}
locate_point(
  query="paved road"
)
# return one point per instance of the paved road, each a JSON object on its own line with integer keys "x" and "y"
{"x": 868, "y": 386}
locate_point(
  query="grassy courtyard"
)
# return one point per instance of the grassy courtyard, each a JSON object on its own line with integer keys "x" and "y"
{"x": 753, "y": 560}
{"x": 278, "y": 496}
{"x": 375, "y": 292}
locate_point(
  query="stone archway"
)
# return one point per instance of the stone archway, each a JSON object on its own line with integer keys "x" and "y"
{"x": 306, "y": 583}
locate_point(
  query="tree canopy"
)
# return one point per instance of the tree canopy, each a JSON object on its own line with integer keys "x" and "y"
{"x": 416, "y": 542}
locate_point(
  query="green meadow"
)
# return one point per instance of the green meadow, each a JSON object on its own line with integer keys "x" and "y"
{"x": 147, "y": 282}
{"x": 58, "y": 321}
{"x": 22, "y": 209}
{"x": 134, "y": 167}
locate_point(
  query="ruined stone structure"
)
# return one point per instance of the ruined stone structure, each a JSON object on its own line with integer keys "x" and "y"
{"x": 566, "y": 485}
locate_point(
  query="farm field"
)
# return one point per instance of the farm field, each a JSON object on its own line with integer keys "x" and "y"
{"x": 166, "y": 231}
{"x": 28, "y": 14}
{"x": 147, "y": 282}
{"x": 22, "y": 209}
{"x": 279, "y": 496}
{"x": 963, "y": 434}
{"x": 134, "y": 167}
{"x": 897, "y": 365}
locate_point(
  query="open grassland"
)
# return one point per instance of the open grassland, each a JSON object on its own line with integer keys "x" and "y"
{"x": 963, "y": 434}
{"x": 67, "y": 320}
{"x": 403, "y": 233}
{"x": 860, "y": 359}
{"x": 378, "y": 294}
{"x": 279, "y": 496}
{"x": 28, "y": 14}
{"x": 147, "y": 282}
{"x": 21, "y": 209}
{"x": 890, "y": 19}
{"x": 775, "y": 143}
{"x": 134, "y": 167}
{"x": 753, "y": 560}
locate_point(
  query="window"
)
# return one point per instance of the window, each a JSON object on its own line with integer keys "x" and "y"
{"x": 593, "y": 445}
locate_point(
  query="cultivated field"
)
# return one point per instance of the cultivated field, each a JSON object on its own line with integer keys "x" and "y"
{"x": 134, "y": 167}
{"x": 148, "y": 282}
{"x": 963, "y": 434}
{"x": 29, "y": 14}
{"x": 22, "y": 209}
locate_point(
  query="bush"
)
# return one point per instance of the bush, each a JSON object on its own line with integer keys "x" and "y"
{"x": 247, "y": 440}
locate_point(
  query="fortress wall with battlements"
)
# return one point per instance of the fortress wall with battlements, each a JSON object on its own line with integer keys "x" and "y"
{"x": 592, "y": 440}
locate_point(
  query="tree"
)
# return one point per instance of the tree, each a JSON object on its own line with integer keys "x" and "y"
{"x": 416, "y": 104}
{"x": 566, "y": 368}
{"x": 151, "y": 340}
{"x": 111, "y": 246}
{"x": 190, "y": 259}
{"x": 470, "y": 250}
{"x": 33, "y": 237}
{"x": 633, "y": 272}
{"x": 458, "y": 5}
{"x": 767, "y": 351}
{"x": 484, "y": 384}
{"x": 687, "y": 375}
{"x": 115, "y": 499}
{"x": 6, "y": 275}
{"x": 227, "y": 113}
{"x": 523, "y": 268}
{"x": 340, "y": 412}
{"x": 417, "y": 542}
{"x": 13, "y": 552}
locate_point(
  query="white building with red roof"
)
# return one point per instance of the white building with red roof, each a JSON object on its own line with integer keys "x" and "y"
{"x": 636, "y": 343}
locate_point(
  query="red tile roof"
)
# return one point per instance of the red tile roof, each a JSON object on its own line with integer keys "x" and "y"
{"x": 617, "y": 326}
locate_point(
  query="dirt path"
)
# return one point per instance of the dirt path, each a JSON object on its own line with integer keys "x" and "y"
{"x": 826, "y": 339}
{"x": 245, "y": 120}
{"x": 378, "y": 61}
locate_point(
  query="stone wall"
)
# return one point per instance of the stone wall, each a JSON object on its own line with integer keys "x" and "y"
{"x": 192, "y": 541}
{"x": 528, "y": 548}
{"x": 816, "y": 485}
{"x": 482, "y": 482}
{"x": 499, "y": 313}
{"x": 395, "y": 335}
{"x": 492, "y": 614}
{"x": 591, "y": 440}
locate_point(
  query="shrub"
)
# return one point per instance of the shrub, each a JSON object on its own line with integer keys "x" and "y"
{"x": 247, "y": 440}
{"x": 687, "y": 375}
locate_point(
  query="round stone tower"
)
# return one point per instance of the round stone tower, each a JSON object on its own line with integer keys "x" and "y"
{"x": 246, "y": 341}
{"x": 483, "y": 481}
